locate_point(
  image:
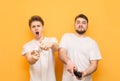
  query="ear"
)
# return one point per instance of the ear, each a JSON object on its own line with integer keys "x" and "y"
{"x": 43, "y": 28}
{"x": 30, "y": 28}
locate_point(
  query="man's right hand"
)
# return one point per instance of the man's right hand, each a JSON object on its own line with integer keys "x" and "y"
{"x": 71, "y": 67}
{"x": 35, "y": 55}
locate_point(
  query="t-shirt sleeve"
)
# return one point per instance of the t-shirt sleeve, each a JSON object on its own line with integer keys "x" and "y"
{"x": 63, "y": 41}
{"x": 25, "y": 49}
{"x": 95, "y": 52}
{"x": 54, "y": 40}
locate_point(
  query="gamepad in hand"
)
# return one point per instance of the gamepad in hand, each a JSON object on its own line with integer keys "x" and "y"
{"x": 77, "y": 74}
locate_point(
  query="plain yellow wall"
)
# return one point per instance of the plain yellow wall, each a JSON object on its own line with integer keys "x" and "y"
{"x": 104, "y": 26}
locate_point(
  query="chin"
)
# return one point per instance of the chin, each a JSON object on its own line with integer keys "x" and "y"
{"x": 80, "y": 32}
{"x": 37, "y": 37}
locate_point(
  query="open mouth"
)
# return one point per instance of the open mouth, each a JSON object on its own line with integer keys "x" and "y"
{"x": 37, "y": 33}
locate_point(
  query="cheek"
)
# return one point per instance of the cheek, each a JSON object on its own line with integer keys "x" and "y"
{"x": 32, "y": 30}
{"x": 41, "y": 28}
{"x": 76, "y": 26}
{"x": 85, "y": 26}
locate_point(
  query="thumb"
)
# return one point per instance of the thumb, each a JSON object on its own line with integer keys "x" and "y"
{"x": 33, "y": 52}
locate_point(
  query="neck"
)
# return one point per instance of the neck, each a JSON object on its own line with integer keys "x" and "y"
{"x": 80, "y": 35}
{"x": 40, "y": 39}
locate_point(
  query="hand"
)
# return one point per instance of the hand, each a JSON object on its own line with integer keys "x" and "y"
{"x": 77, "y": 73}
{"x": 46, "y": 45}
{"x": 35, "y": 55}
{"x": 71, "y": 67}
{"x": 79, "y": 76}
{"x": 83, "y": 75}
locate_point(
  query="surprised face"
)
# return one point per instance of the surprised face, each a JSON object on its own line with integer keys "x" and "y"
{"x": 37, "y": 29}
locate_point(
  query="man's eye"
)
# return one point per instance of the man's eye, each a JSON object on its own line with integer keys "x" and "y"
{"x": 84, "y": 22}
{"x": 78, "y": 22}
{"x": 38, "y": 25}
{"x": 33, "y": 26}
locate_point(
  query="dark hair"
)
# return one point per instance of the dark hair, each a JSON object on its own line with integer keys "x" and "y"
{"x": 35, "y": 18}
{"x": 81, "y": 16}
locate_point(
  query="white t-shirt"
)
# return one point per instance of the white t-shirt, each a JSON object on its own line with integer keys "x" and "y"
{"x": 43, "y": 69}
{"x": 80, "y": 51}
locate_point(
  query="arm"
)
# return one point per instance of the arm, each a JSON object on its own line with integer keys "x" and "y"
{"x": 62, "y": 55}
{"x": 92, "y": 68}
{"x": 54, "y": 46}
{"x": 64, "y": 58}
{"x": 32, "y": 57}
{"x": 94, "y": 53}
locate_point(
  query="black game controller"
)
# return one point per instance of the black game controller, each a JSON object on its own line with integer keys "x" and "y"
{"x": 77, "y": 74}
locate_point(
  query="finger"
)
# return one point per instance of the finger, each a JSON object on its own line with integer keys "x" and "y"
{"x": 75, "y": 67}
{"x": 33, "y": 52}
{"x": 47, "y": 47}
{"x": 72, "y": 72}
{"x": 37, "y": 51}
{"x": 79, "y": 78}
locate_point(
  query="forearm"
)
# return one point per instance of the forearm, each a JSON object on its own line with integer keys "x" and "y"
{"x": 62, "y": 56}
{"x": 55, "y": 47}
{"x": 92, "y": 68}
{"x": 65, "y": 59}
{"x": 30, "y": 59}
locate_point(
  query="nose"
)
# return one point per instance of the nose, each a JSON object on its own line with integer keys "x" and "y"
{"x": 36, "y": 28}
{"x": 80, "y": 25}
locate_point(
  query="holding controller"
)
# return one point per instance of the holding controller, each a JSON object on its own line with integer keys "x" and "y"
{"x": 77, "y": 74}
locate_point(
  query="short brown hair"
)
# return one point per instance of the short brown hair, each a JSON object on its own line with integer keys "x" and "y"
{"x": 81, "y": 16}
{"x": 35, "y": 18}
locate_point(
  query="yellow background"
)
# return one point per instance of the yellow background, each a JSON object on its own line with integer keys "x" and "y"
{"x": 104, "y": 27}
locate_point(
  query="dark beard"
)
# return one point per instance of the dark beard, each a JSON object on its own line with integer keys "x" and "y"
{"x": 80, "y": 32}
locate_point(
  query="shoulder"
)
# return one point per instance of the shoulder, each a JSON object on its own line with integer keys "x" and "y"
{"x": 50, "y": 39}
{"x": 67, "y": 35}
{"x": 29, "y": 43}
{"x": 91, "y": 40}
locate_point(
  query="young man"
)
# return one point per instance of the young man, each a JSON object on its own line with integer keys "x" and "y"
{"x": 39, "y": 52}
{"x": 79, "y": 52}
